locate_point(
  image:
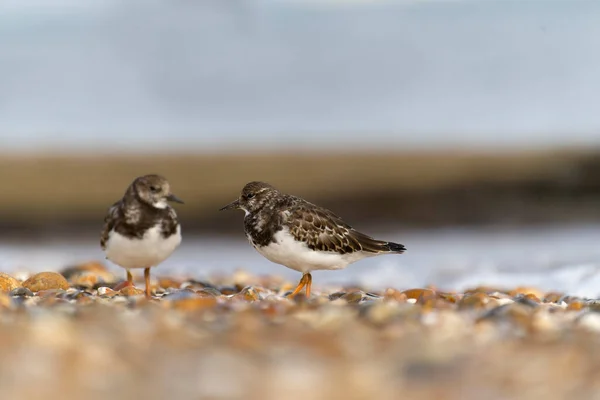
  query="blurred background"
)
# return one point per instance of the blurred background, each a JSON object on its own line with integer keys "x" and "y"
{"x": 467, "y": 130}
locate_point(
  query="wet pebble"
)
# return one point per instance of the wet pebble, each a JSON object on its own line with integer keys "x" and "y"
{"x": 528, "y": 300}
{"x": 228, "y": 290}
{"x": 209, "y": 291}
{"x": 8, "y": 283}
{"x": 553, "y": 297}
{"x": 417, "y": 294}
{"x": 336, "y": 295}
{"x": 196, "y": 285}
{"x": 394, "y": 295}
{"x": 353, "y": 297}
{"x": 452, "y": 298}
{"x": 131, "y": 291}
{"x": 474, "y": 300}
{"x": 250, "y": 293}
{"x": 45, "y": 281}
{"x": 107, "y": 292}
{"x": 21, "y": 292}
{"x": 527, "y": 291}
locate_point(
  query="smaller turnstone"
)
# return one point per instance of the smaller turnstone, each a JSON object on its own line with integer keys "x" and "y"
{"x": 141, "y": 229}
{"x": 290, "y": 231}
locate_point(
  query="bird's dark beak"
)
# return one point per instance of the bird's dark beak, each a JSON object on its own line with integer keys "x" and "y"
{"x": 174, "y": 198}
{"x": 234, "y": 205}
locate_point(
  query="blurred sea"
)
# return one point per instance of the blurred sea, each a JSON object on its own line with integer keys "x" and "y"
{"x": 208, "y": 75}
{"x": 551, "y": 258}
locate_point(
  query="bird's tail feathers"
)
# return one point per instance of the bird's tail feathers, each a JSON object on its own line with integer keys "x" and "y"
{"x": 395, "y": 247}
{"x": 378, "y": 246}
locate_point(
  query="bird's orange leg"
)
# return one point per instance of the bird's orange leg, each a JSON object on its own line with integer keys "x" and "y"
{"x": 147, "y": 276}
{"x": 129, "y": 278}
{"x": 305, "y": 281}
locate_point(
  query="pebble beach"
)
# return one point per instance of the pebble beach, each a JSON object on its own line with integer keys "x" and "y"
{"x": 462, "y": 130}
{"x": 82, "y": 333}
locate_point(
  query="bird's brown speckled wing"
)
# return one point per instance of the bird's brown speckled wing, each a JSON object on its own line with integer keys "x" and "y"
{"x": 109, "y": 223}
{"x": 322, "y": 230}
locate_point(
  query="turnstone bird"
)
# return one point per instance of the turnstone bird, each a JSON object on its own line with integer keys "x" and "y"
{"x": 141, "y": 230}
{"x": 290, "y": 231}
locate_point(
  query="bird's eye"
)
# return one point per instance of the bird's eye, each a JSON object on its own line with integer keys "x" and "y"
{"x": 250, "y": 195}
{"x": 154, "y": 188}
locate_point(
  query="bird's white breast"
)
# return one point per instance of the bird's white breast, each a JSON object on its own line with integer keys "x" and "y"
{"x": 146, "y": 252}
{"x": 285, "y": 250}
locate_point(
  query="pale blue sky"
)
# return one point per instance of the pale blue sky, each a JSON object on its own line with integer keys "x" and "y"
{"x": 214, "y": 74}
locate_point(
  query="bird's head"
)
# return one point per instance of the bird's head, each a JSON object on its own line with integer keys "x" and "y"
{"x": 254, "y": 196}
{"x": 154, "y": 190}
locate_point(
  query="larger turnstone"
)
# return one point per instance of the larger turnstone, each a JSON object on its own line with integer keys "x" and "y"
{"x": 141, "y": 230}
{"x": 290, "y": 231}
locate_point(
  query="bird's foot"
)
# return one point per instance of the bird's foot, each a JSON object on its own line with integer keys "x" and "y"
{"x": 306, "y": 281}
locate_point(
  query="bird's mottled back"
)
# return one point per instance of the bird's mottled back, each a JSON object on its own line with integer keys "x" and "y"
{"x": 322, "y": 230}
{"x": 269, "y": 211}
